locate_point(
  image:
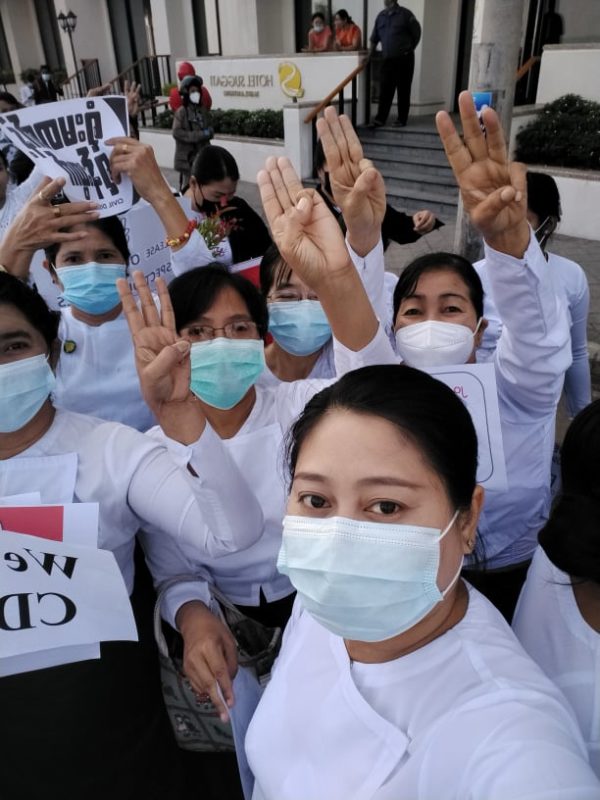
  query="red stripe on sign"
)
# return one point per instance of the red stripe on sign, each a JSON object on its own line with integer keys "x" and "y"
{"x": 46, "y": 522}
{"x": 249, "y": 270}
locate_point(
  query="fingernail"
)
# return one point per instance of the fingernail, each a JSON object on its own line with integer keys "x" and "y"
{"x": 182, "y": 346}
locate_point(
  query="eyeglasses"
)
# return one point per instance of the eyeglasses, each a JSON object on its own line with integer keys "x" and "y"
{"x": 241, "y": 329}
{"x": 290, "y": 296}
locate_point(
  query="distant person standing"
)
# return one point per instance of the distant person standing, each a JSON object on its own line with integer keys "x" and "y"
{"x": 399, "y": 32}
{"x": 552, "y": 26}
{"x": 44, "y": 90}
{"x": 347, "y": 33}
{"x": 320, "y": 37}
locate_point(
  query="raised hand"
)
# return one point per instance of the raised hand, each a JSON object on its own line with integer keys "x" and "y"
{"x": 358, "y": 187}
{"x": 132, "y": 92}
{"x": 493, "y": 190}
{"x": 137, "y": 160}
{"x": 303, "y": 228}
{"x": 162, "y": 359}
{"x": 40, "y": 224}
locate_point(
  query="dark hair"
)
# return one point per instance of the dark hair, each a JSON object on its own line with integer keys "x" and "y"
{"x": 109, "y": 226}
{"x": 214, "y": 163}
{"x": 44, "y": 67}
{"x": 4, "y": 159}
{"x": 194, "y": 292}
{"x": 439, "y": 262}
{"x": 542, "y": 195}
{"x": 319, "y": 160}
{"x": 10, "y": 98}
{"x": 273, "y": 270}
{"x": 344, "y": 16}
{"x": 32, "y": 305}
{"x": 424, "y": 409}
{"x": 571, "y": 537}
{"x": 318, "y": 15}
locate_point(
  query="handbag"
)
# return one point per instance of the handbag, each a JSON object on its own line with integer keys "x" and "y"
{"x": 195, "y": 720}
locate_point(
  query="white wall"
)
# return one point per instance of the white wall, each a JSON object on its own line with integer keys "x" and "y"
{"x": 92, "y": 37}
{"x": 581, "y": 19}
{"x": 566, "y": 70}
{"x": 580, "y": 201}
{"x": 22, "y": 36}
{"x": 276, "y": 27}
{"x": 173, "y": 27}
{"x": 239, "y": 27}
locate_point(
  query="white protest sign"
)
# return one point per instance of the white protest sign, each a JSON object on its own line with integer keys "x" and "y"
{"x": 66, "y": 140}
{"x": 55, "y": 594}
{"x": 475, "y": 384}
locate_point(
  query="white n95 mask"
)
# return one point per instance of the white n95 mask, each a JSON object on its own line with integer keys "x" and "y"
{"x": 365, "y": 581}
{"x": 435, "y": 344}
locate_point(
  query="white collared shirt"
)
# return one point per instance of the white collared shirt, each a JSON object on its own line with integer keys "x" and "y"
{"x": 468, "y": 715}
{"x": 136, "y": 482}
{"x": 550, "y": 627}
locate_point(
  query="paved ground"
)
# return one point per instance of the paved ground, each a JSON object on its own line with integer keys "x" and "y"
{"x": 584, "y": 251}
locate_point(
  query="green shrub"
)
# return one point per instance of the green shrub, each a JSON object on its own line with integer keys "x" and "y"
{"x": 565, "y": 133}
{"x": 266, "y": 123}
{"x": 29, "y": 74}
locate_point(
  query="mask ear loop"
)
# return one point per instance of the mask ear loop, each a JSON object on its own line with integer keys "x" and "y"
{"x": 460, "y": 566}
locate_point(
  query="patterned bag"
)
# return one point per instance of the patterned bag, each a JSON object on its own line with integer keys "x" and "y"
{"x": 195, "y": 720}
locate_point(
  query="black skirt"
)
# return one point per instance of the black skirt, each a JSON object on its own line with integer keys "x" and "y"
{"x": 93, "y": 729}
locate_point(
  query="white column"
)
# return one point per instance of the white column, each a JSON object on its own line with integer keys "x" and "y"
{"x": 298, "y": 137}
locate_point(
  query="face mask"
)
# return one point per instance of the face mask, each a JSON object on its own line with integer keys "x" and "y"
{"x": 435, "y": 344}
{"x": 91, "y": 287}
{"x": 317, "y": 27}
{"x": 365, "y": 581}
{"x": 224, "y": 369}
{"x": 299, "y": 327}
{"x": 24, "y": 388}
{"x": 46, "y": 76}
{"x": 195, "y": 97}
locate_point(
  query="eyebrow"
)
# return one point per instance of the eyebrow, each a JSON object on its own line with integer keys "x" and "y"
{"x": 380, "y": 480}
{"x": 443, "y": 296}
{"x": 7, "y": 337}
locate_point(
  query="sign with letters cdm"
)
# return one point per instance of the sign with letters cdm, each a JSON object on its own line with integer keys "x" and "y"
{"x": 249, "y": 83}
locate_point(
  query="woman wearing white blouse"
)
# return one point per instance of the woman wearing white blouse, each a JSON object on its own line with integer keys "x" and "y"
{"x": 95, "y": 728}
{"x": 395, "y": 678}
{"x": 557, "y": 619}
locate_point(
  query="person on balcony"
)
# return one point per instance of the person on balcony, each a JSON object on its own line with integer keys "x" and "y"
{"x": 347, "y": 32}
{"x": 320, "y": 37}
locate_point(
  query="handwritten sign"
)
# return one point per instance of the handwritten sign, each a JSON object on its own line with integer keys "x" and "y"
{"x": 475, "y": 385}
{"x": 56, "y": 594}
{"x": 66, "y": 140}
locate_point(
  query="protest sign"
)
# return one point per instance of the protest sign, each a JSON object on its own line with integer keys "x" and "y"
{"x": 475, "y": 384}
{"x": 249, "y": 269}
{"x": 66, "y": 140}
{"x": 56, "y": 594}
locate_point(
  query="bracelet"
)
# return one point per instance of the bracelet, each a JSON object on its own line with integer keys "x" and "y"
{"x": 176, "y": 241}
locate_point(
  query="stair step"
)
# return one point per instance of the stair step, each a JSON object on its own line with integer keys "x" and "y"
{"x": 396, "y": 167}
{"x": 410, "y": 201}
{"x": 413, "y": 153}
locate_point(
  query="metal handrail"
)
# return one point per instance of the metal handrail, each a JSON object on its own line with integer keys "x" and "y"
{"x": 526, "y": 67}
{"x": 313, "y": 113}
{"x": 80, "y": 82}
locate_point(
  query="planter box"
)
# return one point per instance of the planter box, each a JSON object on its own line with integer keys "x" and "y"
{"x": 249, "y": 153}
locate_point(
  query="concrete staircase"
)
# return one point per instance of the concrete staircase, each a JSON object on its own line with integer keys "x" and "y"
{"x": 414, "y": 166}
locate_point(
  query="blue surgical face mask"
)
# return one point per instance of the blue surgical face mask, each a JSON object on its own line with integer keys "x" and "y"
{"x": 365, "y": 581}
{"x": 299, "y": 327}
{"x": 224, "y": 369}
{"x": 24, "y": 388}
{"x": 91, "y": 287}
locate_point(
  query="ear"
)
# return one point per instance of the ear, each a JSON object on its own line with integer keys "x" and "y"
{"x": 479, "y": 335}
{"x": 53, "y": 274}
{"x": 467, "y": 520}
